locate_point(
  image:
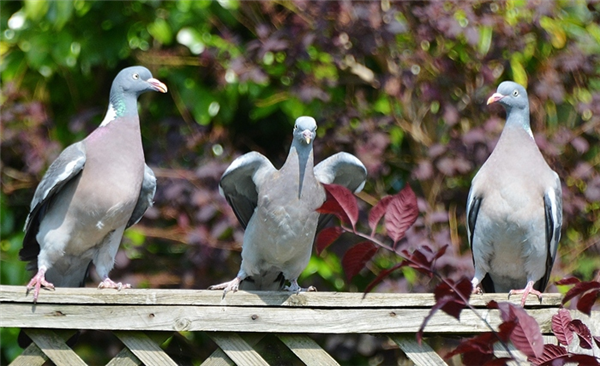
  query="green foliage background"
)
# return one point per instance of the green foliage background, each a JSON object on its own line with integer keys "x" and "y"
{"x": 400, "y": 84}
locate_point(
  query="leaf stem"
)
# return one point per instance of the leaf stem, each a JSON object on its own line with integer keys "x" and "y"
{"x": 436, "y": 274}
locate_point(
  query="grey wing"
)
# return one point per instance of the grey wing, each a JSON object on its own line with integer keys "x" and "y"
{"x": 553, "y": 213}
{"x": 146, "y": 198}
{"x": 343, "y": 169}
{"x": 67, "y": 166}
{"x": 240, "y": 183}
{"x": 473, "y": 204}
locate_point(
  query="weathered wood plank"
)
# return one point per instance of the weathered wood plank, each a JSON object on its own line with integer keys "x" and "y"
{"x": 220, "y": 358}
{"x": 307, "y": 350}
{"x": 32, "y": 355}
{"x": 124, "y": 358}
{"x": 421, "y": 354}
{"x": 54, "y": 347}
{"x": 127, "y": 358}
{"x": 144, "y": 348}
{"x": 260, "y": 319}
{"x": 237, "y": 349}
{"x": 90, "y": 296}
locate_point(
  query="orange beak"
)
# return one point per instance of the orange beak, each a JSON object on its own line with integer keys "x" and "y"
{"x": 494, "y": 98}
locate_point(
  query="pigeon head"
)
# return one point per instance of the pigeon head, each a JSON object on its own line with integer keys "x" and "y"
{"x": 127, "y": 86}
{"x": 510, "y": 95}
{"x": 513, "y": 97}
{"x": 305, "y": 130}
{"x": 136, "y": 80}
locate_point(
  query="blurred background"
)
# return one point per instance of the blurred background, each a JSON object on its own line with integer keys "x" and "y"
{"x": 402, "y": 85}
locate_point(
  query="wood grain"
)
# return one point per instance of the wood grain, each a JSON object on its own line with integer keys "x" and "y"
{"x": 256, "y": 298}
{"x": 249, "y": 319}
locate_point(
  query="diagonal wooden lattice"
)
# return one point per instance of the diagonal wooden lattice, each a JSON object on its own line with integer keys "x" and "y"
{"x": 143, "y": 319}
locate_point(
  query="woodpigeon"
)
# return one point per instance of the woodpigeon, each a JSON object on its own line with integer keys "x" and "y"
{"x": 91, "y": 193}
{"x": 514, "y": 208}
{"x": 278, "y": 208}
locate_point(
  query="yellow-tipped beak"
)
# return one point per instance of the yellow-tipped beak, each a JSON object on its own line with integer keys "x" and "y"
{"x": 307, "y": 136}
{"x": 494, "y": 98}
{"x": 157, "y": 85}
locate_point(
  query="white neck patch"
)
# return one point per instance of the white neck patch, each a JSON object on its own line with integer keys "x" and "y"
{"x": 111, "y": 114}
{"x": 528, "y": 129}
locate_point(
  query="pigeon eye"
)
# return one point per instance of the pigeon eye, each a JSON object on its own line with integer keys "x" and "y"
{"x": 516, "y": 93}
{"x": 136, "y": 76}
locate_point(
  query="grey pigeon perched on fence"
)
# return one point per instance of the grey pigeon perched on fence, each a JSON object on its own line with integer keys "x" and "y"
{"x": 91, "y": 193}
{"x": 278, "y": 208}
{"x": 514, "y": 208}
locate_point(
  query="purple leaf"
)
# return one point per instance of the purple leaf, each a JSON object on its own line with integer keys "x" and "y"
{"x": 382, "y": 275}
{"x": 587, "y": 301}
{"x": 476, "y": 358}
{"x": 454, "y": 304}
{"x": 401, "y": 212}
{"x": 340, "y": 202}
{"x": 498, "y": 362}
{"x": 583, "y": 332}
{"x": 506, "y": 328}
{"x": 579, "y": 289}
{"x": 326, "y": 237}
{"x": 356, "y": 257}
{"x": 439, "y": 304}
{"x": 526, "y": 335}
{"x": 441, "y": 252}
{"x": 477, "y": 350}
{"x": 552, "y": 355}
{"x": 583, "y": 360}
{"x": 560, "y": 327}
{"x": 568, "y": 281}
{"x": 377, "y": 212}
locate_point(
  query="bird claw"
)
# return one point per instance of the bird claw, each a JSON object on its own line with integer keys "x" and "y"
{"x": 108, "y": 283}
{"x": 526, "y": 291}
{"x": 477, "y": 290}
{"x": 232, "y": 286}
{"x": 37, "y": 282}
{"x": 294, "y": 287}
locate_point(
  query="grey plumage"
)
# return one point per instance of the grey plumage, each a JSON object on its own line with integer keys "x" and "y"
{"x": 278, "y": 208}
{"x": 91, "y": 193}
{"x": 514, "y": 208}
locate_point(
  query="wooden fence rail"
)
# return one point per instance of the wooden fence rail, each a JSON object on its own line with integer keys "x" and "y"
{"x": 143, "y": 318}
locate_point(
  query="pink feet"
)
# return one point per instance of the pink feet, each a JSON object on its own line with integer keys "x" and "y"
{"x": 232, "y": 285}
{"x": 526, "y": 291}
{"x": 108, "y": 283}
{"x": 37, "y": 282}
{"x": 295, "y": 287}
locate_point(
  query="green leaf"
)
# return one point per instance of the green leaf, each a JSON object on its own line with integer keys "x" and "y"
{"x": 485, "y": 40}
{"x": 518, "y": 71}
{"x": 60, "y": 13}
{"x": 558, "y": 38}
{"x": 35, "y": 9}
{"x": 382, "y": 105}
{"x": 161, "y": 31}
{"x": 136, "y": 236}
